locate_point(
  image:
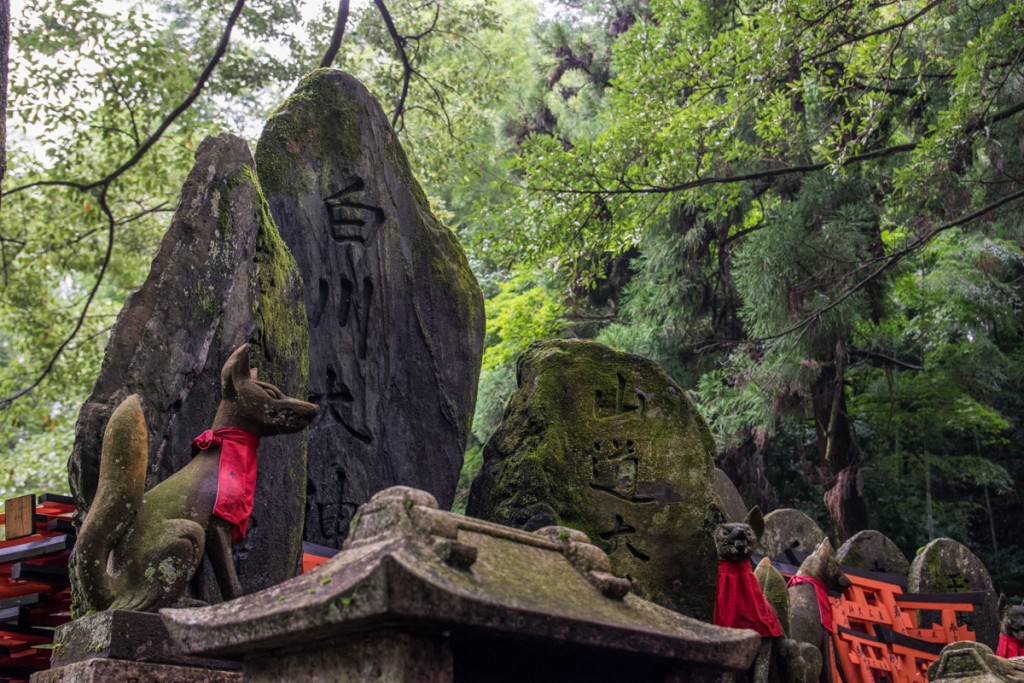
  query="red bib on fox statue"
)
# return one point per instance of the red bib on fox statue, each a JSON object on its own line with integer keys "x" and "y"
{"x": 1010, "y": 647}
{"x": 740, "y": 602}
{"x": 236, "y": 477}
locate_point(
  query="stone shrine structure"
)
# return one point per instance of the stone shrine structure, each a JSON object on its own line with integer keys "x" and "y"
{"x": 426, "y": 596}
{"x": 605, "y": 442}
{"x": 222, "y": 277}
{"x": 396, "y": 317}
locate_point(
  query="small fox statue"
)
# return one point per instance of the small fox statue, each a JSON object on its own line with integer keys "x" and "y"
{"x": 137, "y": 549}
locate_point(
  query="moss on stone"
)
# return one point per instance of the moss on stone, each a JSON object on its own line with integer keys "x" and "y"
{"x": 280, "y": 320}
{"x": 580, "y": 404}
{"x": 305, "y": 123}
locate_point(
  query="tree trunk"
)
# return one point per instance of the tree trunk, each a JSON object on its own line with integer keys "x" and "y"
{"x": 845, "y": 496}
{"x": 5, "y": 44}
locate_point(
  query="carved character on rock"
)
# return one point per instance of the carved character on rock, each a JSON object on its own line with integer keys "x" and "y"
{"x": 138, "y": 549}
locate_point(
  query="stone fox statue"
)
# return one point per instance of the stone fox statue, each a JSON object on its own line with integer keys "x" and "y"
{"x": 810, "y": 609}
{"x": 138, "y": 549}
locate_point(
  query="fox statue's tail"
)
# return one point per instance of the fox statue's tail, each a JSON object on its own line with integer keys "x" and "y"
{"x": 122, "y": 481}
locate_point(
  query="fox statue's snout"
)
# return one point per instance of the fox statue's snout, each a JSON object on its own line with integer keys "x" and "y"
{"x": 255, "y": 406}
{"x": 139, "y": 549}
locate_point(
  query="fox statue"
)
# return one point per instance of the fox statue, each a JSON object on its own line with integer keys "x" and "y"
{"x": 137, "y": 549}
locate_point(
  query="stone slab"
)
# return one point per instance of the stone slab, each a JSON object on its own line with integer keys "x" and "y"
{"x": 606, "y": 442}
{"x": 383, "y": 655}
{"x": 120, "y": 671}
{"x": 221, "y": 277}
{"x": 946, "y": 566}
{"x": 789, "y": 529}
{"x": 120, "y": 634}
{"x": 396, "y": 316}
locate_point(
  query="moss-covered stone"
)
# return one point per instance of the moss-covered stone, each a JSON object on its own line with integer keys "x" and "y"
{"x": 396, "y": 316}
{"x": 874, "y": 552}
{"x": 945, "y": 566}
{"x": 786, "y": 529}
{"x": 222, "y": 277}
{"x": 606, "y": 443}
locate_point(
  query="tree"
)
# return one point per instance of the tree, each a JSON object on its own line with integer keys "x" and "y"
{"x": 792, "y": 156}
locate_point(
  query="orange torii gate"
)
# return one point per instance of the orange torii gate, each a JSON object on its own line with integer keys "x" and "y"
{"x": 876, "y": 636}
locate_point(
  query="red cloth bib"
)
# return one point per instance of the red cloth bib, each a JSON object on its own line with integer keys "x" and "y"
{"x": 740, "y": 602}
{"x": 821, "y": 593}
{"x": 236, "y": 476}
{"x": 1009, "y": 646}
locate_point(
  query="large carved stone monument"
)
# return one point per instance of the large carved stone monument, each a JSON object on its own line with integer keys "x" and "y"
{"x": 222, "y": 277}
{"x": 605, "y": 442}
{"x": 395, "y": 315}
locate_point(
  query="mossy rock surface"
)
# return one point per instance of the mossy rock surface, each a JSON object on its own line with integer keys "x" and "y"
{"x": 729, "y": 497}
{"x": 946, "y": 566}
{"x": 221, "y": 277}
{"x": 395, "y": 314}
{"x": 605, "y": 442}
{"x": 873, "y": 551}
{"x": 786, "y": 529}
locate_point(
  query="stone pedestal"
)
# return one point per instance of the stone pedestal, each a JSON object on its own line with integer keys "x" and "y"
{"x": 121, "y": 671}
{"x": 121, "y": 646}
{"x": 418, "y": 594}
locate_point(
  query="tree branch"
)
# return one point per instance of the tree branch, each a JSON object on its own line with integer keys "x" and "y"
{"x": 407, "y": 70}
{"x": 143, "y": 149}
{"x": 102, "y": 201}
{"x": 892, "y": 260}
{"x": 973, "y": 127}
{"x": 339, "y": 33}
{"x": 104, "y": 185}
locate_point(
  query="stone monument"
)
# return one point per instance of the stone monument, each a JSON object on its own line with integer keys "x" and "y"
{"x": 222, "y": 277}
{"x": 874, "y": 552}
{"x": 395, "y": 315}
{"x": 605, "y": 442}
{"x": 945, "y": 566}
{"x": 789, "y": 529}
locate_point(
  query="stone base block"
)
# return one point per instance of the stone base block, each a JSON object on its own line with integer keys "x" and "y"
{"x": 380, "y": 656}
{"x": 124, "y": 635}
{"x": 120, "y": 671}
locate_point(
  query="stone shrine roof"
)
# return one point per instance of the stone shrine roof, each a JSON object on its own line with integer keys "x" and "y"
{"x": 407, "y": 564}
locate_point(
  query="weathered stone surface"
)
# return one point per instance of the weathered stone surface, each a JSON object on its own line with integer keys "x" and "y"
{"x": 119, "y": 634}
{"x": 384, "y": 655}
{"x": 121, "y": 671}
{"x": 222, "y": 277}
{"x": 605, "y": 442}
{"x": 537, "y": 598}
{"x": 967, "y": 662}
{"x": 729, "y": 497}
{"x": 945, "y": 566}
{"x": 873, "y": 551}
{"x": 787, "y": 528}
{"x": 396, "y": 316}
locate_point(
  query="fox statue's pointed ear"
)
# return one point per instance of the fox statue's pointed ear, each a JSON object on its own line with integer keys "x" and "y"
{"x": 235, "y": 371}
{"x": 755, "y": 519}
{"x": 1002, "y": 605}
